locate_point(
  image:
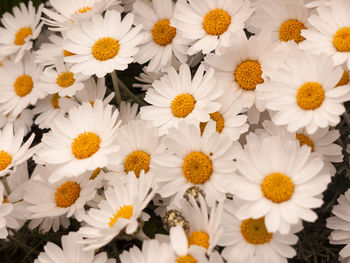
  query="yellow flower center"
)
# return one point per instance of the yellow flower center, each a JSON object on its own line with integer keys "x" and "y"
{"x": 67, "y": 194}
{"x": 341, "y": 39}
{"x": 198, "y": 238}
{"x": 217, "y": 117}
{"x": 291, "y": 30}
{"x": 254, "y": 231}
{"x": 137, "y": 161}
{"x": 105, "y": 48}
{"x": 54, "y": 101}
{"x": 83, "y": 10}
{"x": 277, "y": 187}
{"x": 23, "y": 85}
{"x": 216, "y": 22}
{"x": 125, "y": 211}
{"x": 344, "y": 80}
{"x": 95, "y": 173}
{"x": 85, "y": 145}
{"x": 67, "y": 53}
{"x": 65, "y": 79}
{"x": 310, "y": 96}
{"x": 5, "y": 160}
{"x": 1, "y": 64}
{"x": 21, "y": 35}
{"x": 162, "y": 33}
{"x": 197, "y": 168}
{"x": 303, "y": 139}
{"x": 92, "y": 103}
{"x": 182, "y": 105}
{"x": 186, "y": 259}
{"x": 248, "y": 74}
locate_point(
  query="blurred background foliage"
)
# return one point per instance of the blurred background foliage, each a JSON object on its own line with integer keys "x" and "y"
{"x": 6, "y": 5}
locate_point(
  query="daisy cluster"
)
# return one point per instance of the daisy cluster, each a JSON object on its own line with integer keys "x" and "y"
{"x": 228, "y": 134}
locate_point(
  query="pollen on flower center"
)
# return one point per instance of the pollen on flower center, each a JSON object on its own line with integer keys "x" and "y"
{"x": 291, "y": 30}
{"x": 216, "y": 22}
{"x": 65, "y": 79}
{"x": 254, "y": 231}
{"x": 182, "y": 105}
{"x": 217, "y": 117}
{"x": 137, "y": 161}
{"x": 248, "y": 74}
{"x": 341, "y": 39}
{"x": 198, "y": 238}
{"x": 105, "y": 48}
{"x": 54, "y": 101}
{"x": 125, "y": 211}
{"x": 67, "y": 194}
{"x": 22, "y": 34}
{"x": 83, "y": 10}
{"x": 5, "y": 160}
{"x": 85, "y": 145}
{"x": 303, "y": 139}
{"x": 310, "y": 96}
{"x": 95, "y": 173}
{"x": 277, "y": 187}
{"x": 197, "y": 167}
{"x": 23, "y": 85}
{"x": 344, "y": 80}
{"x": 186, "y": 259}
{"x": 162, "y": 33}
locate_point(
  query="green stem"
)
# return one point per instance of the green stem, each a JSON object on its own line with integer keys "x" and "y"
{"x": 132, "y": 95}
{"x": 116, "y": 87}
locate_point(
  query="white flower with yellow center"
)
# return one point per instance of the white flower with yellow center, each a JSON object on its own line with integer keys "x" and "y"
{"x": 71, "y": 251}
{"x": 210, "y": 24}
{"x": 94, "y": 91}
{"x": 152, "y": 251}
{"x": 50, "y": 107}
{"x": 110, "y": 47}
{"x": 20, "y": 30}
{"x": 303, "y": 95}
{"x": 5, "y": 210}
{"x": 330, "y": 32}
{"x": 61, "y": 80}
{"x": 280, "y": 180}
{"x": 249, "y": 241}
{"x": 192, "y": 159}
{"x": 147, "y": 78}
{"x": 67, "y": 14}
{"x": 162, "y": 43}
{"x": 128, "y": 112}
{"x": 139, "y": 142}
{"x": 20, "y": 85}
{"x": 178, "y": 97}
{"x": 340, "y": 223}
{"x": 119, "y": 211}
{"x": 284, "y": 18}
{"x": 80, "y": 142}
{"x": 245, "y": 66}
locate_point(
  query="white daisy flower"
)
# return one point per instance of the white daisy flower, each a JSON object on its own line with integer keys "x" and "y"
{"x": 110, "y": 48}
{"x": 80, "y": 142}
{"x": 20, "y": 85}
{"x": 68, "y": 14}
{"x": 71, "y": 251}
{"x": 61, "y": 80}
{"x": 340, "y": 224}
{"x": 329, "y": 34}
{"x": 47, "y": 224}
{"x": 119, "y": 211}
{"x": 94, "y": 91}
{"x": 128, "y": 112}
{"x": 50, "y": 107}
{"x": 5, "y": 210}
{"x": 304, "y": 95}
{"x": 20, "y": 30}
{"x": 177, "y": 97}
{"x": 152, "y": 251}
{"x": 162, "y": 43}
{"x": 139, "y": 142}
{"x": 147, "y": 78}
{"x": 192, "y": 159}
{"x": 280, "y": 180}
{"x": 210, "y": 24}
{"x": 12, "y": 153}
{"x": 245, "y": 66}
{"x": 22, "y": 121}
{"x": 284, "y": 18}
{"x": 249, "y": 241}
